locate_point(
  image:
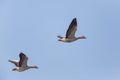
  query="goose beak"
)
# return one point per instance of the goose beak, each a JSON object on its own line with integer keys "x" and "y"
{"x": 36, "y": 67}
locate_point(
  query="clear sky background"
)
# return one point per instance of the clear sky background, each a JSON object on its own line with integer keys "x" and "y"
{"x": 32, "y": 26}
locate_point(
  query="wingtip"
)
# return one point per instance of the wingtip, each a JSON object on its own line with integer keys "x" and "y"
{"x": 9, "y": 60}
{"x": 75, "y": 19}
{"x": 21, "y": 53}
{"x": 59, "y": 36}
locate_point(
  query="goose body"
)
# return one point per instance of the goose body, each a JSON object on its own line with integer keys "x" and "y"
{"x": 22, "y": 64}
{"x": 70, "y": 34}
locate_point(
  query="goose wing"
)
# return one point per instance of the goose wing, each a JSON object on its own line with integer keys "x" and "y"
{"x": 23, "y": 60}
{"x": 72, "y": 29}
{"x": 14, "y": 62}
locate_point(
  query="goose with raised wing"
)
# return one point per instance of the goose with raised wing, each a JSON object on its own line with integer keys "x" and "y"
{"x": 22, "y": 64}
{"x": 70, "y": 34}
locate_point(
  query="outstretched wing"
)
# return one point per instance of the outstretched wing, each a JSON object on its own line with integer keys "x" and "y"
{"x": 72, "y": 29}
{"x": 23, "y": 60}
{"x": 14, "y": 62}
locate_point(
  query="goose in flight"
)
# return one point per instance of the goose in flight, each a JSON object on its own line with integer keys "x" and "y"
{"x": 22, "y": 64}
{"x": 70, "y": 34}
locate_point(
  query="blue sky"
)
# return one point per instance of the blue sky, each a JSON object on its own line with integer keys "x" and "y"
{"x": 31, "y": 26}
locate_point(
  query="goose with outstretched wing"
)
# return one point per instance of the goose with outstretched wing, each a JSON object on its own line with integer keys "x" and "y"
{"x": 22, "y": 64}
{"x": 70, "y": 34}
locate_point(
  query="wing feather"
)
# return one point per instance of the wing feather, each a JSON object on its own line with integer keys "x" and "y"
{"x": 14, "y": 62}
{"x": 23, "y": 60}
{"x": 72, "y": 29}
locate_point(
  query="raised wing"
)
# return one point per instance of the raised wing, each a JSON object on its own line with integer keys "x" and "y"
{"x": 23, "y": 60}
{"x": 72, "y": 29}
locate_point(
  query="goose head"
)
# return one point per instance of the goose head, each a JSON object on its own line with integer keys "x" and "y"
{"x": 82, "y": 37}
{"x": 36, "y": 67}
{"x": 33, "y": 67}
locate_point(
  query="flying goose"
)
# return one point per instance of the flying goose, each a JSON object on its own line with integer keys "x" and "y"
{"x": 22, "y": 64}
{"x": 70, "y": 34}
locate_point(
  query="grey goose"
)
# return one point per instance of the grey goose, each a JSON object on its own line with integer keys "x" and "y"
{"x": 22, "y": 64}
{"x": 70, "y": 34}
